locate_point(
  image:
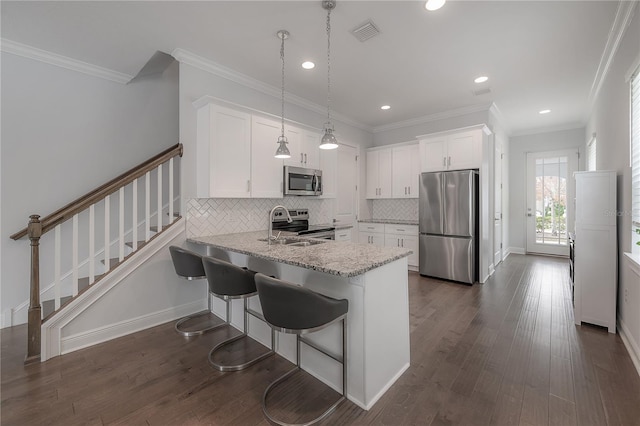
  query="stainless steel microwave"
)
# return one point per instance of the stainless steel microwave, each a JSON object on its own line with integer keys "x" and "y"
{"x": 300, "y": 181}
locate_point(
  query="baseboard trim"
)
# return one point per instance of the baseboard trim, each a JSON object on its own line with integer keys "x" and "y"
{"x": 113, "y": 331}
{"x": 516, "y": 250}
{"x": 632, "y": 346}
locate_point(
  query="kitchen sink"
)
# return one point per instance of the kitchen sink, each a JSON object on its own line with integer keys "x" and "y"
{"x": 294, "y": 242}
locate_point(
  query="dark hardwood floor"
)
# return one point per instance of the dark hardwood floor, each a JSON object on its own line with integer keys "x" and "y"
{"x": 502, "y": 353}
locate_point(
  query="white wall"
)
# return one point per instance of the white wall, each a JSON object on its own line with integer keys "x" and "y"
{"x": 196, "y": 83}
{"x": 610, "y": 121}
{"x": 65, "y": 133}
{"x": 519, "y": 146}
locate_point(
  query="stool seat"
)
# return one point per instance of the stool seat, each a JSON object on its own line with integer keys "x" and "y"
{"x": 291, "y": 308}
{"x": 228, "y": 281}
{"x": 188, "y": 265}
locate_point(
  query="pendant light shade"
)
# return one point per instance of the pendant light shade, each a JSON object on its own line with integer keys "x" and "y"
{"x": 328, "y": 139}
{"x": 283, "y": 150}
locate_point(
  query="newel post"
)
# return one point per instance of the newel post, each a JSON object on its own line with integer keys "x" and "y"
{"x": 34, "y": 326}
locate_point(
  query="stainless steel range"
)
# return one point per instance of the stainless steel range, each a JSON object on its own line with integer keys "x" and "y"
{"x": 300, "y": 225}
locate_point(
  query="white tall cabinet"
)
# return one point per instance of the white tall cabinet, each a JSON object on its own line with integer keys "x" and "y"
{"x": 595, "y": 249}
{"x": 379, "y": 173}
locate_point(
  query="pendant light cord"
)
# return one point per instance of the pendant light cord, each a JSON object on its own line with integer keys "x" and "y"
{"x": 282, "y": 57}
{"x": 329, "y": 65}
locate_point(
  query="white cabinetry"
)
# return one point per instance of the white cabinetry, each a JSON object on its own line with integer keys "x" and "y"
{"x": 405, "y": 171}
{"x": 403, "y": 236}
{"x": 343, "y": 235}
{"x": 303, "y": 146}
{"x": 329, "y": 167}
{"x": 454, "y": 151}
{"x": 595, "y": 250}
{"x": 379, "y": 173}
{"x": 371, "y": 233}
{"x": 266, "y": 170}
{"x": 224, "y": 152}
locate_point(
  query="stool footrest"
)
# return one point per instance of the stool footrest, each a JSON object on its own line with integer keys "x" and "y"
{"x": 236, "y": 367}
{"x": 281, "y": 379}
{"x": 199, "y": 331}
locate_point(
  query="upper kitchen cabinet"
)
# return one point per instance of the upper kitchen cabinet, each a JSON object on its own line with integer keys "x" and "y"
{"x": 379, "y": 173}
{"x": 224, "y": 152}
{"x": 452, "y": 151}
{"x": 303, "y": 145}
{"x": 266, "y": 170}
{"x": 406, "y": 171}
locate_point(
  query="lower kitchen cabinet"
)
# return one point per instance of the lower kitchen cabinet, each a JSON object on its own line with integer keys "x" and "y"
{"x": 406, "y": 241}
{"x": 371, "y": 233}
{"x": 391, "y": 235}
{"x": 343, "y": 235}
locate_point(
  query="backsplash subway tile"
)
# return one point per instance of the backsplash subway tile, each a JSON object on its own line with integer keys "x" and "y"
{"x": 217, "y": 216}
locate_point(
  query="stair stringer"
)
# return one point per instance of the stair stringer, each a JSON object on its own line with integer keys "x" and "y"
{"x": 142, "y": 292}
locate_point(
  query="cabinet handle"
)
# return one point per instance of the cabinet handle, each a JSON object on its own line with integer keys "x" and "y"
{"x": 398, "y": 241}
{"x": 370, "y": 227}
{"x": 409, "y": 190}
{"x": 449, "y": 162}
{"x": 305, "y": 158}
{"x": 402, "y": 242}
{"x": 405, "y": 190}
{"x": 301, "y": 158}
{"x": 248, "y": 185}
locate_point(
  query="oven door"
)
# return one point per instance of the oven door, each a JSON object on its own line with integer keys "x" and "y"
{"x": 299, "y": 181}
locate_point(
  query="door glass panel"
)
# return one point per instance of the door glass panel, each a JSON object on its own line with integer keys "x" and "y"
{"x": 551, "y": 201}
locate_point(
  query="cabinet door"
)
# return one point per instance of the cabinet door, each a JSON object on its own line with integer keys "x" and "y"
{"x": 414, "y": 175}
{"x": 373, "y": 238}
{"x": 464, "y": 150}
{"x": 400, "y": 180}
{"x": 266, "y": 170}
{"x": 294, "y": 138}
{"x": 372, "y": 174}
{"x": 384, "y": 173}
{"x": 411, "y": 243}
{"x": 310, "y": 152}
{"x": 392, "y": 240}
{"x": 229, "y": 135}
{"x": 433, "y": 154}
{"x": 343, "y": 234}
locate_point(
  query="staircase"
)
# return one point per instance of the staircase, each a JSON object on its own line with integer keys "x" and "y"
{"x": 120, "y": 217}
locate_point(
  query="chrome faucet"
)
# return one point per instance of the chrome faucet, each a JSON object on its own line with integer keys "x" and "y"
{"x": 273, "y": 210}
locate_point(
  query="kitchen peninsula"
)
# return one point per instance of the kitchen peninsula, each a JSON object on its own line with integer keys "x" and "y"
{"x": 373, "y": 279}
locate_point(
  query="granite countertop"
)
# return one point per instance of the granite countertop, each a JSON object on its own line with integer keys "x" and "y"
{"x": 342, "y": 258}
{"x": 390, "y": 221}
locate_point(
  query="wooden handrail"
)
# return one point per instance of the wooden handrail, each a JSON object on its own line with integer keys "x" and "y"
{"x": 68, "y": 211}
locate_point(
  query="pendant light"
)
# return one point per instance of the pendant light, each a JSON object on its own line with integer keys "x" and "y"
{"x": 282, "y": 151}
{"x": 328, "y": 139}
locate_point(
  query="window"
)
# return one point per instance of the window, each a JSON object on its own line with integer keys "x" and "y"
{"x": 591, "y": 153}
{"x": 635, "y": 158}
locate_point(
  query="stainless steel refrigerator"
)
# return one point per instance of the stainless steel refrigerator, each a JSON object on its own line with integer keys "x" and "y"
{"x": 449, "y": 225}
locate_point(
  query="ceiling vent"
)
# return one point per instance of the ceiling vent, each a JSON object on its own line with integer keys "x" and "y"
{"x": 365, "y": 31}
{"x": 481, "y": 91}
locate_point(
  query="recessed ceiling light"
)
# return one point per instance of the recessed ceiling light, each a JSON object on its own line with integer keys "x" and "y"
{"x": 308, "y": 65}
{"x": 545, "y": 111}
{"x": 434, "y": 4}
{"x": 385, "y": 107}
{"x": 481, "y": 79}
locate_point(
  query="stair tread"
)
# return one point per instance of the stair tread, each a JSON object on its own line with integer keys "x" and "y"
{"x": 141, "y": 243}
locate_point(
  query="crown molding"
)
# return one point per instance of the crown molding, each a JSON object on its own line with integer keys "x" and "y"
{"x": 432, "y": 117}
{"x": 549, "y": 129}
{"x": 500, "y": 117}
{"x": 189, "y": 58}
{"x": 30, "y": 52}
{"x": 624, "y": 15}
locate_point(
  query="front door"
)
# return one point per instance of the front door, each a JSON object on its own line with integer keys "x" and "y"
{"x": 550, "y": 194}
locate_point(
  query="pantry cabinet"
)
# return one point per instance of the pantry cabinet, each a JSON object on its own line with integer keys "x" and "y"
{"x": 453, "y": 151}
{"x": 379, "y": 173}
{"x": 405, "y": 171}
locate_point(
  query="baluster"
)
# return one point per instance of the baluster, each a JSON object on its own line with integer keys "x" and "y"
{"x": 74, "y": 255}
{"x": 92, "y": 244}
{"x": 171, "y": 190}
{"x": 107, "y": 241}
{"x": 121, "y": 226}
{"x": 134, "y": 222}
{"x": 56, "y": 262}
{"x": 159, "y": 198}
{"x": 147, "y": 206}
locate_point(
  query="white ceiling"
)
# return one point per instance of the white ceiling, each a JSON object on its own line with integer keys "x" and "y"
{"x": 538, "y": 54}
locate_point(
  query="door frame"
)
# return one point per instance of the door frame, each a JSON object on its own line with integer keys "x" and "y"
{"x": 531, "y": 247}
{"x": 358, "y": 183}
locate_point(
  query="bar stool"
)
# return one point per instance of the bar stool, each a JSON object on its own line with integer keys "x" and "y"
{"x": 293, "y": 309}
{"x": 228, "y": 281}
{"x": 188, "y": 265}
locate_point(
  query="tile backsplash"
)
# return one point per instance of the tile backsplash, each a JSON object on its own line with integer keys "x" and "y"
{"x": 396, "y": 209}
{"x": 216, "y": 216}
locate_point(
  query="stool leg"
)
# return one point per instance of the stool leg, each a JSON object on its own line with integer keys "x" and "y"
{"x": 344, "y": 357}
{"x": 242, "y": 366}
{"x": 199, "y": 314}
